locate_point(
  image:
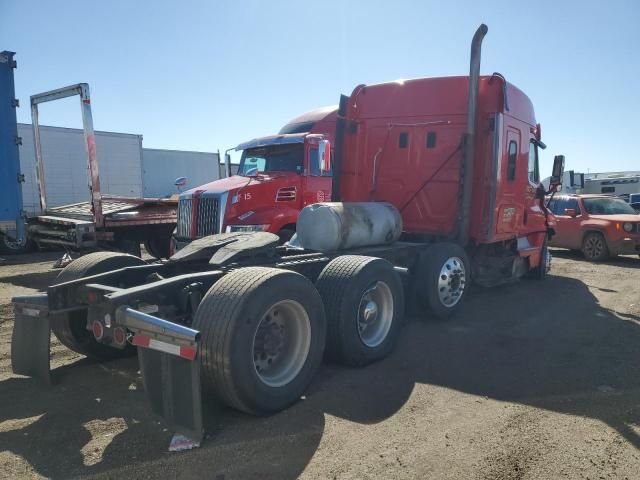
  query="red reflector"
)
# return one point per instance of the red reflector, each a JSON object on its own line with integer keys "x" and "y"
{"x": 119, "y": 336}
{"x": 141, "y": 341}
{"x": 98, "y": 330}
{"x": 188, "y": 352}
{"x": 92, "y": 297}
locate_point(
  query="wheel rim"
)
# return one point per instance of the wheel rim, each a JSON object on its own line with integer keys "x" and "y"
{"x": 13, "y": 244}
{"x": 281, "y": 343}
{"x": 594, "y": 247}
{"x": 452, "y": 281}
{"x": 375, "y": 314}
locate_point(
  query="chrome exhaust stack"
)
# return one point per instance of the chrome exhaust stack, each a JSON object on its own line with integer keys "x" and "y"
{"x": 469, "y": 135}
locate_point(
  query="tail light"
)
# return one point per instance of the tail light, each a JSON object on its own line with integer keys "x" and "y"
{"x": 119, "y": 336}
{"x": 98, "y": 330}
{"x": 286, "y": 194}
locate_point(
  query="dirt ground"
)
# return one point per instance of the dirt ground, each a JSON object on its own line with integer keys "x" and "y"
{"x": 531, "y": 380}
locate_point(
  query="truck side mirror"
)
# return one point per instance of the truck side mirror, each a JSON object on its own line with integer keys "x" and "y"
{"x": 227, "y": 165}
{"x": 180, "y": 182}
{"x": 558, "y": 171}
{"x": 570, "y": 212}
{"x": 324, "y": 155}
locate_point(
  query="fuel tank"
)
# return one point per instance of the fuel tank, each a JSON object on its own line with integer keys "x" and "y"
{"x": 327, "y": 227}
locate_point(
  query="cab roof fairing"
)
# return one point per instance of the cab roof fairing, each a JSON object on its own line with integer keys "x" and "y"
{"x": 272, "y": 140}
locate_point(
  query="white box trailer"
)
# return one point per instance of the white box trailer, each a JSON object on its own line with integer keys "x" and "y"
{"x": 161, "y": 168}
{"x": 66, "y": 173}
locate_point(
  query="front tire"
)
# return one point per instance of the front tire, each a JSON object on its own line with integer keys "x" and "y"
{"x": 364, "y": 302}
{"x": 71, "y": 328}
{"x": 594, "y": 247}
{"x": 541, "y": 271}
{"x": 158, "y": 247}
{"x": 263, "y": 335}
{"x": 442, "y": 279}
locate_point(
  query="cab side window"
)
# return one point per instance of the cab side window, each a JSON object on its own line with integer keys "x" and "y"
{"x": 558, "y": 205}
{"x": 511, "y": 165}
{"x": 314, "y": 165}
{"x": 534, "y": 175}
{"x": 573, "y": 203}
{"x": 314, "y": 162}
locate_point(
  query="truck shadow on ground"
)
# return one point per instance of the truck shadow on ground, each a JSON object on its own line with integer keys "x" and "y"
{"x": 567, "y": 355}
{"x": 37, "y": 280}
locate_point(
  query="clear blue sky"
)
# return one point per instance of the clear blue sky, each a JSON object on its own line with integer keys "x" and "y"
{"x": 203, "y": 75}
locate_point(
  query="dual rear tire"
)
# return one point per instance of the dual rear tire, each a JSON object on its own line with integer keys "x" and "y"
{"x": 262, "y": 336}
{"x": 71, "y": 328}
{"x": 264, "y": 331}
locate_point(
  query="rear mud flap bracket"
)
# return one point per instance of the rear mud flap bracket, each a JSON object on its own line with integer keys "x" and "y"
{"x": 170, "y": 371}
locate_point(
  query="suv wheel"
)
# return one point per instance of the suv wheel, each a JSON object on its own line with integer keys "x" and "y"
{"x": 594, "y": 247}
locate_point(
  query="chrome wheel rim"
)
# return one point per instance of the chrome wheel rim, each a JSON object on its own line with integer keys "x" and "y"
{"x": 594, "y": 246}
{"x": 375, "y": 314}
{"x": 281, "y": 343}
{"x": 451, "y": 282}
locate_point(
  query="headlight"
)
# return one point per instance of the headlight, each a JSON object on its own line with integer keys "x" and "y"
{"x": 628, "y": 227}
{"x": 246, "y": 228}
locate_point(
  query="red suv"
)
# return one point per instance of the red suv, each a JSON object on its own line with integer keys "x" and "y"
{"x": 599, "y": 225}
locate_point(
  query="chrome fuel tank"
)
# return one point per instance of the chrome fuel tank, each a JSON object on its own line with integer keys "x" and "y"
{"x": 327, "y": 227}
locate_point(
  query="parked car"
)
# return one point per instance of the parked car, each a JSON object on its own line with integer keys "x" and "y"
{"x": 634, "y": 201}
{"x": 600, "y": 226}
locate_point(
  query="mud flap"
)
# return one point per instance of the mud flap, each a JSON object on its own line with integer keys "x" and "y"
{"x": 170, "y": 370}
{"x": 173, "y": 389}
{"x": 30, "y": 341}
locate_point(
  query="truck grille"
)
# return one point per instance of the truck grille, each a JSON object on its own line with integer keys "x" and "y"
{"x": 206, "y": 218}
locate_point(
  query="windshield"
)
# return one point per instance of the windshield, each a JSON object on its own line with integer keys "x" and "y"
{"x": 607, "y": 206}
{"x": 275, "y": 158}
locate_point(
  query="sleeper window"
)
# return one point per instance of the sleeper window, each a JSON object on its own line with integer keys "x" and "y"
{"x": 403, "y": 140}
{"x": 511, "y": 165}
{"x": 431, "y": 139}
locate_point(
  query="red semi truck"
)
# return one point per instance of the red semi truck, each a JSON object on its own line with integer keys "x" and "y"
{"x": 435, "y": 185}
{"x": 278, "y": 176}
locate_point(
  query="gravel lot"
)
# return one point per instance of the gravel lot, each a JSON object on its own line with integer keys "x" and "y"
{"x": 531, "y": 380}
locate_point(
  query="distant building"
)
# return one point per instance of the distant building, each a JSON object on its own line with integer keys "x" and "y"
{"x": 613, "y": 183}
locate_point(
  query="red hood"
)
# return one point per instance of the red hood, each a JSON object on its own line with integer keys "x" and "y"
{"x": 236, "y": 181}
{"x": 222, "y": 185}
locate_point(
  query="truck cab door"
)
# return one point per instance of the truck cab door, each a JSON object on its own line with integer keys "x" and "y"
{"x": 316, "y": 184}
{"x": 509, "y": 199}
{"x": 533, "y": 219}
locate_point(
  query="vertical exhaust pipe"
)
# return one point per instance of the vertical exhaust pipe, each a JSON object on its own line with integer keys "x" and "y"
{"x": 337, "y": 149}
{"x": 469, "y": 135}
